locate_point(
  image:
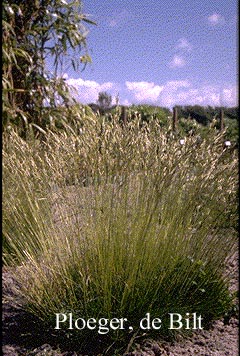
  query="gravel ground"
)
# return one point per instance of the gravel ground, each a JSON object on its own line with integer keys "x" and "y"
{"x": 21, "y": 335}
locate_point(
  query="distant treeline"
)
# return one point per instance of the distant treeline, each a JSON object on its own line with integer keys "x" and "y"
{"x": 202, "y": 114}
{"x": 205, "y": 114}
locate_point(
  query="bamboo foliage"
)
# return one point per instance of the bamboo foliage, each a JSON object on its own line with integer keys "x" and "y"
{"x": 32, "y": 32}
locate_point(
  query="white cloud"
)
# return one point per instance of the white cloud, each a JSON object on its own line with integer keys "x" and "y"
{"x": 171, "y": 90}
{"x": 113, "y": 22}
{"x": 180, "y": 94}
{"x": 168, "y": 94}
{"x": 86, "y": 91}
{"x": 177, "y": 62}
{"x": 216, "y": 19}
{"x": 184, "y": 45}
{"x": 65, "y": 76}
{"x": 175, "y": 84}
{"x": 200, "y": 96}
{"x": 125, "y": 102}
{"x": 119, "y": 18}
{"x": 144, "y": 91}
{"x": 229, "y": 96}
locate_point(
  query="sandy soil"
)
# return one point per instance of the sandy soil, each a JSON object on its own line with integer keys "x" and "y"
{"x": 23, "y": 336}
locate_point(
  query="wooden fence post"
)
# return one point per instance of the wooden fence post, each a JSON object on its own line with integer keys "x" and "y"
{"x": 124, "y": 115}
{"x": 221, "y": 120}
{"x": 175, "y": 118}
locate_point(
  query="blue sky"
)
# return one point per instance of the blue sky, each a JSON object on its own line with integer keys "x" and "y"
{"x": 162, "y": 53}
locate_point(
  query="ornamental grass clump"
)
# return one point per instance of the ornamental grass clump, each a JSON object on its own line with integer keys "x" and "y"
{"x": 143, "y": 235}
